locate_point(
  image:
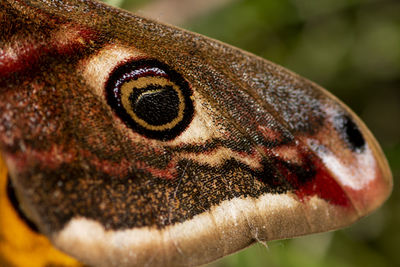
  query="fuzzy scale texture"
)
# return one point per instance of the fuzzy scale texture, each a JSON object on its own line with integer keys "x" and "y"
{"x": 258, "y": 153}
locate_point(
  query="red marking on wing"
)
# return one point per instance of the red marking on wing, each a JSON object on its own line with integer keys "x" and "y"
{"x": 324, "y": 186}
{"x": 270, "y": 134}
{"x": 72, "y": 38}
{"x": 168, "y": 173}
{"x": 18, "y": 56}
{"x": 58, "y": 155}
{"x": 22, "y": 53}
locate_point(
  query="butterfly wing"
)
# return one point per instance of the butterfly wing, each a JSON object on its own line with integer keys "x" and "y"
{"x": 130, "y": 142}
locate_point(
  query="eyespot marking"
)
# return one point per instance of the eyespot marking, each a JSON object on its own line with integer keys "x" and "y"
{"x": 150, "y": 98}
{"x": 350, "y": 132}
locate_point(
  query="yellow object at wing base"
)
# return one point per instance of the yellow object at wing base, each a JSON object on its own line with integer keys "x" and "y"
{"x": 19, "y": 245}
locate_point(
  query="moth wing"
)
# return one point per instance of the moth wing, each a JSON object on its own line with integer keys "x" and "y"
{"x": 264, "y": 154}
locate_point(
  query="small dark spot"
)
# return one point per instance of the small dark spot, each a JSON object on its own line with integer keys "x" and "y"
{"x": 350, "y": 132}
{"x": 15, "y": 203}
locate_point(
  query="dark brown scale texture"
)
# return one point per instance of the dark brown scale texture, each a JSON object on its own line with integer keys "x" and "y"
{"x": 125, "y": 202}
{"x": 214, "y": 144}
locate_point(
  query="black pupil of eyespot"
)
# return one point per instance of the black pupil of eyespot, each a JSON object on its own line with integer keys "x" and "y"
{"x": 156, "y": 105}
{"x": 350, "y": 132}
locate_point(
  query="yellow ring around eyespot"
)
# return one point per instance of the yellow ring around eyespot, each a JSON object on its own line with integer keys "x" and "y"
{"x": 143, "y": 82}
{"x": 19, "y": 245}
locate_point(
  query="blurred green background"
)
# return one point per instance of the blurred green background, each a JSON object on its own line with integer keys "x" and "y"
{"x": 352, "y": 48}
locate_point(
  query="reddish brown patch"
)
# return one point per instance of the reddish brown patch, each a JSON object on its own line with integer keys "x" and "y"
{"x": 18, "y": 56}
{"x": 23, "y": 53}
{"x": 168, "y": 173}
{"x": 270, "y": 134}
{"x": 288, "y": 153}
{"x": 57, "y": 155}
{"x": 71, "y": 38}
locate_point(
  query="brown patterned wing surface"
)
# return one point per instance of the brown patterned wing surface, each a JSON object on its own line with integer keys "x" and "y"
{"x": 133, "y": 143}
